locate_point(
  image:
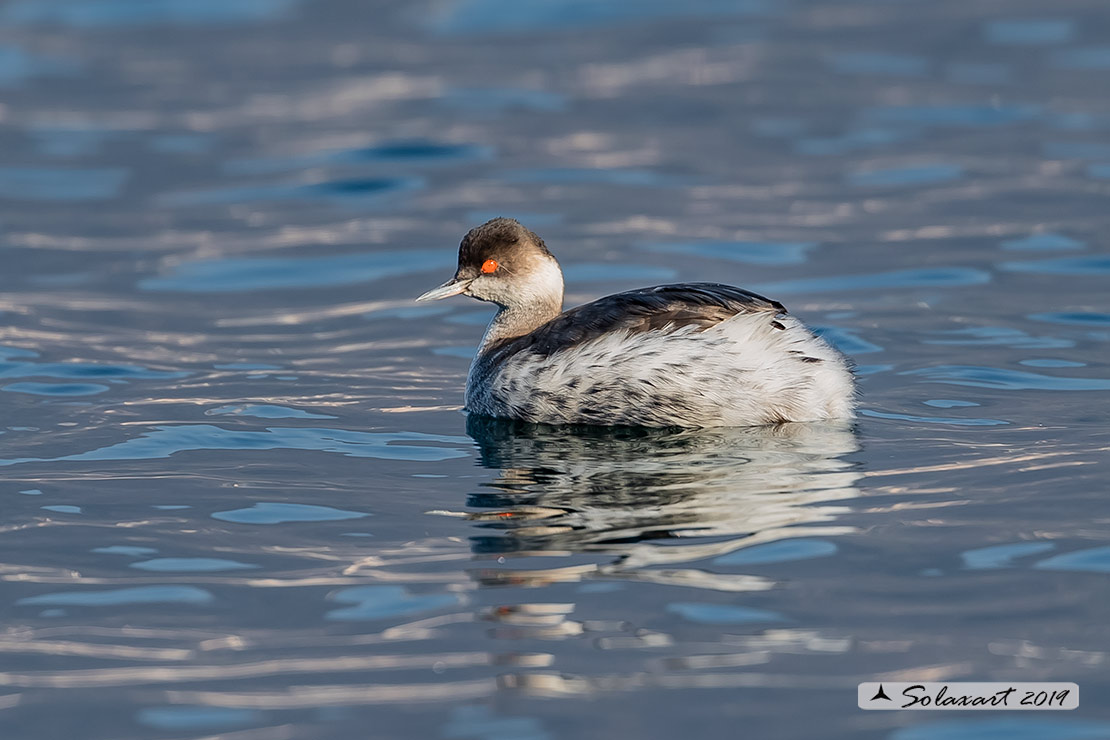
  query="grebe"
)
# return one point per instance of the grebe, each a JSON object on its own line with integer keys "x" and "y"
{"x": 683, "y": 355}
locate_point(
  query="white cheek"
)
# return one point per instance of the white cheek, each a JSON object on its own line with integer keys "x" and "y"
{"x": 543, "y": 284}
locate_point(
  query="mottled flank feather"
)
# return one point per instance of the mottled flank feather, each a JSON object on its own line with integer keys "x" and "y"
{"x": 678, "y": 355}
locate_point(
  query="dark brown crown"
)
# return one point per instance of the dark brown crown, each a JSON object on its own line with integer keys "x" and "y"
{"x": 500, "y": 239}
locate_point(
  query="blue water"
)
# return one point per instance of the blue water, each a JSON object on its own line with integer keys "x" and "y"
{"x": 242, "y": 502}
{"x": 279, "y": 513}
{"x": 60, "y": 184}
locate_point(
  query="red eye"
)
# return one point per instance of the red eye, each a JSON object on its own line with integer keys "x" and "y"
{"x": 489, "y": 266}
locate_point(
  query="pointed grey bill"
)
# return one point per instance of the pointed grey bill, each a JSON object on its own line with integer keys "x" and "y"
{"x": 448, "y": 289}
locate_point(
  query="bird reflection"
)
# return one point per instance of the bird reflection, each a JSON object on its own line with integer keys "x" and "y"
{"x": 653, "y": 497}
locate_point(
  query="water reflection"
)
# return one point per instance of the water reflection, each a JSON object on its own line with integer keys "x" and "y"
{"x": 654, "y": 497}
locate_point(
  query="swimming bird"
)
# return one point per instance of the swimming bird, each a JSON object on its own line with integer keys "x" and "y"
{"x": 681, "y": 355}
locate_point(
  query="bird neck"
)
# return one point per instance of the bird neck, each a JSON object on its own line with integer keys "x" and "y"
{"x": 516, "y": 321}
{"x": 530, "y": 306}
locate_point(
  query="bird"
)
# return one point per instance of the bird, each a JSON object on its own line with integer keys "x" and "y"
{"x": 685, "y": 355}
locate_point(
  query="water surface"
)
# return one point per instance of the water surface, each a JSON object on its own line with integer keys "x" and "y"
{"x": 241, "y": 501}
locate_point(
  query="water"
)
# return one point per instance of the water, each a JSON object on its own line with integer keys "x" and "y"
{"x": 241, "y": 502}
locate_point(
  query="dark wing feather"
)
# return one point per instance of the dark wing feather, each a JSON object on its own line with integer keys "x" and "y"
{"x": 648, "y": 309}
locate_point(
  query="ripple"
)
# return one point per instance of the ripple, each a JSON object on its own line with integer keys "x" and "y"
{"x": 603, "y": 272}
{"x": 525, "y": 217}
{"x": 846, "y": 341}
{"x": 1076, "y": 121}
{"x": 60, "y": 280}
{"x": 414, "y": 152}
{"x": 264, "y": 411}
{"x": 121, "y": 596}
{"x": 1076, "y": 150}
{"x": 64, "y": 370}
{"x": 1029, "y": 31}
{"x": 165, "y": 441}
{"x": 61, "y": 184}
{"x": 950, "y": 421}
{"x": 353, "y": 188}
{"x": 7, "y": 352}
{"x": 471, "y": 318}
{"x": 705, "y": 613}
{"x": 779, "y": 127}
{"x": 1074, "y": 318}
{"x": 954, "y": 115}
{"x": 359, "y": 186}
{"x": 779, "y": 552}
{"x": 489, "y": 101}
{"x": 279, "y": 513}
{"x": 1002, "y": 556}
{"x": 998, "y": 335}
{"x": 1089, "y": 57}
{"x": 180, "y": 143}
{"x": 130, "y": 550}
{"x": 63, "y": 509}
{"x": 465, "y": 353}
{"x": 246, "y": 366}
{"x": 408, "y": 312}
{"x": 1011, "y": 728}
{"x": 862, "y": 139}
{"x": 268, "y": 273}
{"x": 883, "y": 64}
{"x": 1095, "y": 559}
{"x": 948, "y": 403}
{"x": 1083, "y": 266}
{"x": 196, "y": 718}
{"x": 381, "y": 602}
{"x": 927, "y": 277}
{"x": 978, "y": 73}
{"x": 1044, "y": 240}
{"x": 1050, "y": 362}
{"x": 920, "y": 175}
{"x": 17, "y": 65}
{"x": 1013, "y": 380}
{"x": 190, "y": 565}
{"x": 124, "y": 13}
{"x": 483, "y": 723}
{"x": 63, "y": 141}
{"x": 752, "y": 253}
{"x": 55, "y": 389}
{"x": 480, "y": 317}
{"x": 505, "y": 16}
{"x": 581, "y": 175}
